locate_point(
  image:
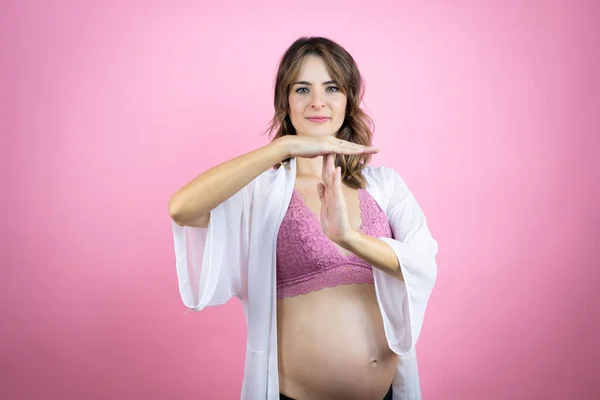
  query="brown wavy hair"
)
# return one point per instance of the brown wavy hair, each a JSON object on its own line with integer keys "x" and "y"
{"x": 357, "y": 127}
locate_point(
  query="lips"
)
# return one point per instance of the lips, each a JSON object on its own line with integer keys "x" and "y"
{"x": 318, "y": 119}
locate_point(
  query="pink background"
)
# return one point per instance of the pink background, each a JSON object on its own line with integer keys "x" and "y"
{"x": 489, "y": 111}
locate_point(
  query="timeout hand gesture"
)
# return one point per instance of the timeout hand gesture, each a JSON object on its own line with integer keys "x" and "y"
{"x": 335, "y": 221}
{"x": 312, "y": 147}
{"x": 334, "y": 211}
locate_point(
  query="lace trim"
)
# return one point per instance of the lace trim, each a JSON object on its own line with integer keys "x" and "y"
{"x": 308, "y": 260}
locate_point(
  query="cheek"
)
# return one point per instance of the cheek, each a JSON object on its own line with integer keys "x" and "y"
{"x": 296, "y": 106}
{"x": 340, "y": 106}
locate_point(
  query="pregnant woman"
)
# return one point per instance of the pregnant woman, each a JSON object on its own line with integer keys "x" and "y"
{"x": 331, "y": 257}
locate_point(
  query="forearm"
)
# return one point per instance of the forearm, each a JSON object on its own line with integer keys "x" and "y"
{"x": 219, "y": 183}
{"x": 374, "y": 251}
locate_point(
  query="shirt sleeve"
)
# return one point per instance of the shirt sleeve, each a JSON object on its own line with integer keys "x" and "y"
{"x": 403, "y": 303}
{"x": 406, "y": 383}
{"x": 212, "y": 262}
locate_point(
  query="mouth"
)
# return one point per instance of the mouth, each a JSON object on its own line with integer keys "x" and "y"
{"x": 318, "y": 120}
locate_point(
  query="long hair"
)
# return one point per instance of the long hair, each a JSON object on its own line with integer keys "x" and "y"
{"x": 357, "y": 127}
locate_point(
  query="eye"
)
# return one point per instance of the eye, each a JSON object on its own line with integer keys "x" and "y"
{"x": 333, "y": 88}
{"x": 299, "y": 90}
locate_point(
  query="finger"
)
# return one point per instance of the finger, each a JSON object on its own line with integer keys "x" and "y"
{"x": 338, "y": 180}
{"x": 327, "y": 172}
{"x": 331, "y": 169}
{"x": 353, "y": 148}
{"x": 370, "y": 150}
{"x": 321, "y": 191}
{"x": 324, "y": 175}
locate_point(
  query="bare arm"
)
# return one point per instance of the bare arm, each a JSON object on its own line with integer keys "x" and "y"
{"x": 191, "y": 205}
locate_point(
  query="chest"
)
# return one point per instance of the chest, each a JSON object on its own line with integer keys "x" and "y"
{"x": 309, "y": 196}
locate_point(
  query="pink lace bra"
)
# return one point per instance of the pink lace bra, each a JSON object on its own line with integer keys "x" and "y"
{"x": 307, "y": 260}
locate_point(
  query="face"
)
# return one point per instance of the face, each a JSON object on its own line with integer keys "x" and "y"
{"x": 314, "y": 94}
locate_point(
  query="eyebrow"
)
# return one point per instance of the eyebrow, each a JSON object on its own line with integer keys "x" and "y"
{"x": 310, "y": 84}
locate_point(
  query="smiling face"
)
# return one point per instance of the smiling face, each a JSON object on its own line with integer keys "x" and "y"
{"x": 317, "y": 104}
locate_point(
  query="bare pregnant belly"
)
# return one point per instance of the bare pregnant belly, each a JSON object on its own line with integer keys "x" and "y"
{"x": 332, "y": 345}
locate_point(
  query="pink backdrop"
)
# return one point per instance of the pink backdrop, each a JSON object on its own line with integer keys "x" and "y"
{"x": 489, "y": 111}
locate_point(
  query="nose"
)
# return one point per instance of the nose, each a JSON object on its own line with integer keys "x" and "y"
{"x": 317, "y": 100}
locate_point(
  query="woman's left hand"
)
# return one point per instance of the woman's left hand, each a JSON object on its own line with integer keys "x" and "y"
{"x": 335, "y": 221}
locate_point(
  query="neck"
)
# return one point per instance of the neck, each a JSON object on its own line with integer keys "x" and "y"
{"x": 309, "y": 167}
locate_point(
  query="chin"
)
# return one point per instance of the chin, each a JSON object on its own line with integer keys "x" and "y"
{"x": 317, "y": 132}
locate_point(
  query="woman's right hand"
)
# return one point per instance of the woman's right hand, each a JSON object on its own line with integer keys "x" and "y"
{"x": 312, "y": 147}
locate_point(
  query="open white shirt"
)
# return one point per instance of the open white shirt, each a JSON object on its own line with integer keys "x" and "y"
{"x": 236, "y": 256}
